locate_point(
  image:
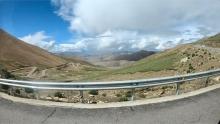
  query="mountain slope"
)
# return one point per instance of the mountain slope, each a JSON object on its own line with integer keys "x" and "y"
{"x": 183, "y": 59}
{"x": 188, "y": 58}
{"x": 213, "y": 41}
{"x": 15, "y": 53}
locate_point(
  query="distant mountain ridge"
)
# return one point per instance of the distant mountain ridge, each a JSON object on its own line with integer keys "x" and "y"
{"x": 134, "y": 56}
{"x": 113, "y": 60}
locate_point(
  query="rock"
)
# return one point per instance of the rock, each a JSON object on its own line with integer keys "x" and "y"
{"x": 63, "y": 99}
{"x": 48, "y": 98}
{"x": 184, "y": 60}
{"x": 217, "y": 78}
{"x": 101, "y": 102}
{"x": 91, "y": 96}
{"x": 56, "y": 98}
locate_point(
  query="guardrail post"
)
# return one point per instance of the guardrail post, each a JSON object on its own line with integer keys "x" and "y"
{"x": 37, "y": 95}
{"x": 207, "y": 82}
{"x": 132, "y": 94}
{"x": 10, "y": 91}
{"x": 81, "y": 96}
{"x": 177, "y": 88}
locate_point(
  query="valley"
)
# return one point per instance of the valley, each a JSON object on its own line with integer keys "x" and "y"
{"x": 33, "y": 63}
{"x": 28, "y": 62}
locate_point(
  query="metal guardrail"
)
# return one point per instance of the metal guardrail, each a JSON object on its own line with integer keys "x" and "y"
{"x": 129, "y": 84}
{"x": 109, "y": 85}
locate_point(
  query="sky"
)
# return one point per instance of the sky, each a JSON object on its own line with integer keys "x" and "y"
{"x": 109, "y": 25}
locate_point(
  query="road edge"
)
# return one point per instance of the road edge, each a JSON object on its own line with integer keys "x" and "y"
{"x": 108, "y": 105}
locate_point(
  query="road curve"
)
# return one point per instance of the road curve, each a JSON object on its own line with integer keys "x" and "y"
{"x": 201, "y": 109}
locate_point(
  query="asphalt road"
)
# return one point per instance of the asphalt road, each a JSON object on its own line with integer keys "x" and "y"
{"x": 202, "y": 109}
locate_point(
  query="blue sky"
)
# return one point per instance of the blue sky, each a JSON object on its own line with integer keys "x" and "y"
{"x": 23, "y": 17}
{"x": 109, "y": 25}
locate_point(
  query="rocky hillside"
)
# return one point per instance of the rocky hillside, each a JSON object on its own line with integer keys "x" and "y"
{"x": 213, "y": 41}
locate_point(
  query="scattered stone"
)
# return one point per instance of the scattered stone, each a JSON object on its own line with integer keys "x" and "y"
{"x": 184, "y": 60}
{"x": 56, "y": 98}
{"x": 49, "y": 98}
{"x": 217, "y": 78}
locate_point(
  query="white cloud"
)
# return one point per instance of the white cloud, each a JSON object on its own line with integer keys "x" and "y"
{"x": 140, "y": 24}
{"x": 109, "y": 41}
{"x": 127, "y": 40}
{"x": 155, "y": 16}
{"x": 73, "y": 47}
{"x": 39, "y": 39}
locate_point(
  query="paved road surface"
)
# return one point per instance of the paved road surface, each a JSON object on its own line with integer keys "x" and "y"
{"x": 202, "y": 109}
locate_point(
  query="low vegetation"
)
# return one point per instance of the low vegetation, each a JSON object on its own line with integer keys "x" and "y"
{"x": 94, "y": 92}
{"x": 28, "y": 90}
{"x": 213, "y": 41}
{"x": 59, "y": 95}
{"x": 5, "y": 74}
{"x": 158, "y": 63}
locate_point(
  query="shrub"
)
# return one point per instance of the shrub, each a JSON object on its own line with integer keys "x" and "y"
{"x": 188, "y": 71}
{"x": 5, "y": 74}
{"x": 17, "y": 91}
{"x": 118, "y": 95}
{"x": 5, "y": 87}
{"x": 123, "y": 99}
{"x": 28, "y": 90}
{"x": 142, "y": 95}
{"x": 94, "y": 92}
{"x": 201, "y": 56}
{"x": 104, "y": 94}
{"x": 59, "y": 94}
{"x": 128, "y": 94}
{"x": 191, "y": 67}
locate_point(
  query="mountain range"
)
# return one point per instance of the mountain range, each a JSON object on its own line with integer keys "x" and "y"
{"x": 41, "y": 64}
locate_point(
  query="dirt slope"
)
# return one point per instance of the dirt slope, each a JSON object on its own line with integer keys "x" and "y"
{"x": 15, "y": 53}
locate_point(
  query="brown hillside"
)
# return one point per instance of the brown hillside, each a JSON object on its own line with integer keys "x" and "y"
{"x": 15, "y": 53}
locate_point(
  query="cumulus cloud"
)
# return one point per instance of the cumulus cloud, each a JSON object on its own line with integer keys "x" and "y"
{"x": 109, "y": 41}
{"x": 98, "y": 16}
{"x": 127, "y": 41}
{"x": 78, "y": 46}
{"x": 139, "y": 24}
{"x": 39, "y": 39}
